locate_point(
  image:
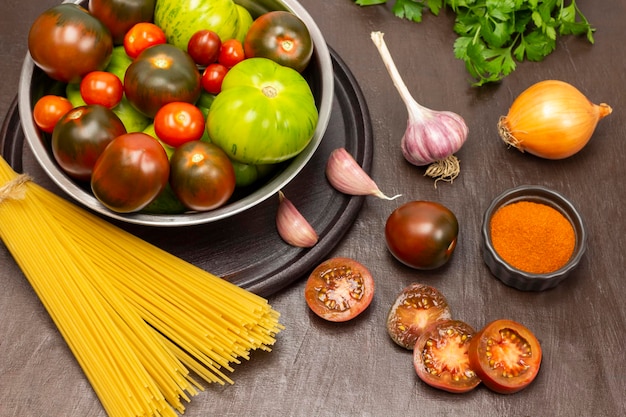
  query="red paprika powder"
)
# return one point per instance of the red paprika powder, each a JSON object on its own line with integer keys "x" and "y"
{"x": 532, "y": 237}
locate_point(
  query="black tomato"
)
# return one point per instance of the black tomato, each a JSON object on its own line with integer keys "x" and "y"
{"x": 339, "y": 289}
{"x": 161, "y": 74}
{"x": 81, "y": 135}
{"x": 202, "y": 176}
{"x": 282, "y": 37}
{"x": 506, "y": 355}
{"x": 441, "y": 356}
{"x": 130, "y": 173}
{"x": 416, "y": 308}
{"x": 67, "y": 42}
{"x": 422, "y": 234}
{"x": 120, "y": 15}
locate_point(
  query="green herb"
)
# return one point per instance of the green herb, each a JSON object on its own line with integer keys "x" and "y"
{"x": 496, "y": 34}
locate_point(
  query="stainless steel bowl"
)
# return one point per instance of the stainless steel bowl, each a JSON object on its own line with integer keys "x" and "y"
{"x": 524, "y": 280}
{"x": 34, "y": 83}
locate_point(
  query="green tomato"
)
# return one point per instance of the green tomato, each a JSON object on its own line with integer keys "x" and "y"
{"x": 245, "y": 21}
{"x": 265, "y": 113}
{"x": 165, "y": 203}
{"x": 247, "y": 174}
{"x": 120, "y": 61}
{"x": 149, "y": 130}
{"x": 180, "y": 19}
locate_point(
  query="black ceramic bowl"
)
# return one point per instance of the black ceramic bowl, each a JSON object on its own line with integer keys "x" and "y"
{"x": 520, "y": 279}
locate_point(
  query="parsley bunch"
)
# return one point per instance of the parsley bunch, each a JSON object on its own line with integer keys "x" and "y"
{"x": 496, "y": 34}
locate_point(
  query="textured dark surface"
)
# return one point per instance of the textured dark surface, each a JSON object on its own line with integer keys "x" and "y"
{"x": 354, "y": 369}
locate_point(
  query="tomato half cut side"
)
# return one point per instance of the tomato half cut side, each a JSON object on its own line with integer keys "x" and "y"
{"x": 506, "y": 355}
{"x": 339, "y": 289}
{"x": 441, "y": 357}
{"x": 416, "y": 308}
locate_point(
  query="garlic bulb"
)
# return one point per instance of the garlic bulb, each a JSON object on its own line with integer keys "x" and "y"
{"x": 431, "y": 137}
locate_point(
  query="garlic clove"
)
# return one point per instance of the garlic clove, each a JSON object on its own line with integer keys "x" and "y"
{"x": 292, "y": 227}
{"x": 346, "y": 175}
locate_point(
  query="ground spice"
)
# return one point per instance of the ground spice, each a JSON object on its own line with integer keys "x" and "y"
{"x": 532, "y": 237}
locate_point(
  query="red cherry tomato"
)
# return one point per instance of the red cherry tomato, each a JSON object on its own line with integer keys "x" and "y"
{"x": 506, "y": 355}
{"x": 48, "y": 110}
{"x": 422, "y": 234}
{"x": 416, "y": 307}
{"x": 204, "y": 47}
{"x": 202, "y": 176}
{"x": 179, "y": 122}
{"x": 212, "y": 78}
{"x": 339, "y": 289}
{"x": 231, "y": 53}
{"x": 141, "y": 36}
{"x": 101, "y": 87}
{"x": 441, "y": 357}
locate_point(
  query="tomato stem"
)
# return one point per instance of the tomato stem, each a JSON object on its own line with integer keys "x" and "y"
{"x": 270, "y": 91}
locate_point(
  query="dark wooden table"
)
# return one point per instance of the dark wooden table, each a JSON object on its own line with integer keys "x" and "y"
{"x": 354, "y": 369}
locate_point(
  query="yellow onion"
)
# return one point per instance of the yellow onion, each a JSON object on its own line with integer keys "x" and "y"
{"x": 551, "y": 119}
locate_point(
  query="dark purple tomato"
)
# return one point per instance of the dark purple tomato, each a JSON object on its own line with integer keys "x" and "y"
{"x": 202, "y": 176}
{"x": 130, "y": 173}
{"x": 339, "y": 289}
{"x": 67, "y": 42}
{"x": 81, "y": 135}
{"x": 282, "y": 37}
{"x": 415, "y": 309}
{"x": 120, "y": 15}
{"x": 441, "y": 356}
{"x": 422, "y": 234}
{"x": 204, "y": 47}
{"x": 161, "y": 74}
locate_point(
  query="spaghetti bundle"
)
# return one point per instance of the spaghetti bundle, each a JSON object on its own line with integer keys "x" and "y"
{"x": 138, "y": 320}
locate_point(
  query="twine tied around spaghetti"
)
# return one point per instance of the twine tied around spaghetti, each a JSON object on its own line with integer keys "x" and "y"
{"x": 14, "y": 189}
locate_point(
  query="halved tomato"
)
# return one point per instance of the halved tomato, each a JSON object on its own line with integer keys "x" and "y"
{"x": 339, "y": 289}
{"x": 441, "y": 356}
{"x": 506, "y": 355}
{"x": 415, "y": 309}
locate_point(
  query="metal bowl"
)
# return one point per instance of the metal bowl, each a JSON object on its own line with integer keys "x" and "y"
{"x": 524, "y": 280}
{"x": 34, "y": 83}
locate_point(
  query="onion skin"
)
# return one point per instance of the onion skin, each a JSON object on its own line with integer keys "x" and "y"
{"x": 551, "y": 119}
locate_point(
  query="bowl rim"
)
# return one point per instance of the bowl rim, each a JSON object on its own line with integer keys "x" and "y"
{"x": 537, "y": 193}
{"x": 271, "y": 188}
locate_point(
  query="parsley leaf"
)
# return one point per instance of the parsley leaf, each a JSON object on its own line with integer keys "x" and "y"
{"x": 494, "y": 35}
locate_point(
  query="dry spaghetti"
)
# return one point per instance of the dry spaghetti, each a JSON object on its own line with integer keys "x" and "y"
{"x": 138, "y": 320}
